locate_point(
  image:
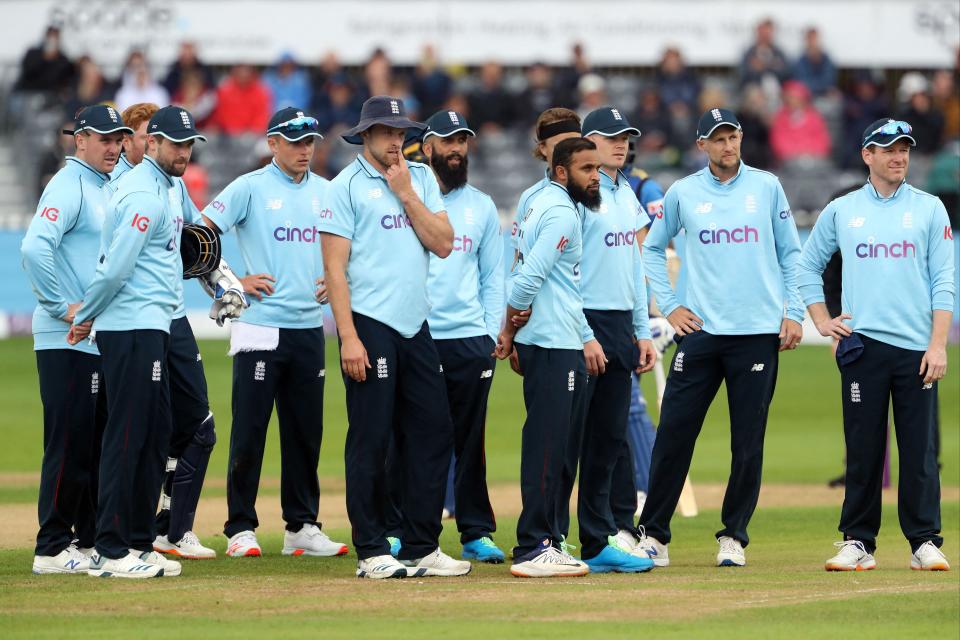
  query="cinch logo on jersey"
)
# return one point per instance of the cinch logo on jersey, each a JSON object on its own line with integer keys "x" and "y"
{"x": 901, "y": 249}
{"x": 620, "y": 238}
{"x": 296, "y": 234}
{"x": 463, "y": 243}
{"x": 395, "y": 221}
{"x": 738, "y": 235}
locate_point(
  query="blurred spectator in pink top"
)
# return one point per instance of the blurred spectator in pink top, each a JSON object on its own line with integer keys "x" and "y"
{"x": 798, "y": 130}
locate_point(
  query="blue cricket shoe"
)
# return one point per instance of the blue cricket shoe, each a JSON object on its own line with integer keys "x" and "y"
{"x": 482, "y": 550}
{"x": 614, "y": 559}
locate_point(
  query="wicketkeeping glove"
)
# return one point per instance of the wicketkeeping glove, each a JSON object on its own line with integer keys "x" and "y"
{"x": 225, "y": 288}
{"x": 661, "y": 333}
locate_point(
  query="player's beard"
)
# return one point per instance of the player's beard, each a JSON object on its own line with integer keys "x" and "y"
{"x": 584, "y": 196}
{"x": 451, "y": 177}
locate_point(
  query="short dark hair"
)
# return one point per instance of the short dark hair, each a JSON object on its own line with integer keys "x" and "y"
{"x": 563, "y": 152}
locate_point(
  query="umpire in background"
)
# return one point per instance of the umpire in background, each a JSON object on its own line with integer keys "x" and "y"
{"x": 60, "y": 258}
{"x": 893, "y": 342}
{"x": 384, "y": 219}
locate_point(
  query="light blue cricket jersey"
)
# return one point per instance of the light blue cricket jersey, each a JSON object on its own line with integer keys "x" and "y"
{"x": 61, "y": 247}
{"x": 523, "y": 205}
{"x": 388, "y": 265}
{"x": 190, "y": 213}
{"x": 897, "y": 262}
{"x": 742, "y": 250}
{"x": 135, "y": 286}
{"x": 547, "y": 273}
{"x": 611, "y": 268}
{"x": 277, "y": 222}
{"x": 466, "y": 288}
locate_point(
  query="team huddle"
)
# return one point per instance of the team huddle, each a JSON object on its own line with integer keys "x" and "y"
{"x": 410, "y": 258}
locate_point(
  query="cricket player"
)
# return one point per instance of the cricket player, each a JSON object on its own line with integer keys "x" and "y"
{"x": 132, "y": 299}
{"x": 278, "y": 345}
{"x": 741, "y": 252}
{"x": 614, "y": 292}
{"x": 384, "y": 217}
{"x": 550, "y": 349}
{"x": 898, "y": 299}
{"x": 59, "y": 254}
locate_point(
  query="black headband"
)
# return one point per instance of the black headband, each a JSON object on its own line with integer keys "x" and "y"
{"x": 556, "y": 128}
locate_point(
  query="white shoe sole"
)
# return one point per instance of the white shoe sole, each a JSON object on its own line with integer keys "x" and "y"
{"x": 731, "y": 562}
{"x": 294, "y": 551}
{"x": 398, "y": 573}
{"x": 524, "y": 570}
{"x": 42, "y": 571}
{"x": 934, "y": 567}
{"x": 102, "y": 573}
{"x": 253, "y": 552}
{"x": 210, "y": 554}
{"x": 866, "y": 566}
{"x": 427, "y": 572}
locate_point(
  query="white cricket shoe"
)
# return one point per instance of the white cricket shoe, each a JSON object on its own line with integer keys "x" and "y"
{"x": 641, "y": 500}
{"x": 436, "y": 564}
{"x": 129, "y": 566}
{"x": 87, "y": 551}
{"x": 731, "y": 553}
{"x": 929, "y": 558}
{"x": 188, "y": 548}
{"x": 171, "y": 568}
{"x": 629, "y": 542}
{"x": 654, "y": 549}
{"x": 852, "y": 556}
{"x": 70, "y": 560}
{"x": 381, "y": 567}
{"x": 310, "y": 541}
{"x": 243, "y": 545}
{"x": 546, "y": 561}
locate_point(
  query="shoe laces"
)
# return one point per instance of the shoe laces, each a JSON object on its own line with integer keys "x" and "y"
{"x": 486, "y": 541}
{"x": 246, "y": 538}
{"x": 190, "y": 538}
{"x": 929, "y": 547}
{"x": 566, "y": 547}
{"x": 74, "y": 553}
{"x": 730, "y": 545}
{"x": 850, "y": 546}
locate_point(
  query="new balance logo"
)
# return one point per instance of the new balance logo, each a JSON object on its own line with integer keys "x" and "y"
{"x": 95, "y": 383}
{"x": 757, "y": 367}
{"x": 854, "y": 392}
{"x": 71, "y": 564}
{"x": 571, "y": 381}
{"x": 373, "y": 194}
{"x": 382, "y": 368}
{"x": 856, "y": 223}
{"x": 155, "y": 374}
{"x": 322, "y": 373}
{"x": 703, "y": 207}
{"x": 273, "y": 205}
{"x": 678, "y": 362}
{"x": 927, "y": 386}
{"x": 441, "y": 368}
{"x": 259, "y": 370}
{"x": 486, "y": 373}
{"x": 198, "y": 358}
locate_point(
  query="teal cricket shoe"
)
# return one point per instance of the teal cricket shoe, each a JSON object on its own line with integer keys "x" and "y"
{"x": 483, "y": 550}
{"x": 616, "y": 560}
{"x": 394, "y": 546}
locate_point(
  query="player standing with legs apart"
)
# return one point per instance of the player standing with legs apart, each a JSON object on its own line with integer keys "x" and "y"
{"x": 466, "y": 307}
{"x": 550, "y": 350}
{"x": 742, "y": 253}
{"x": 614, "y": 292}
{"x": 60, "y": 258}
{"x": 278, "y": 346}
{"x": 382, "y": 220}
{"x": 132, "y": 300}
{"x": 893, "y": 342}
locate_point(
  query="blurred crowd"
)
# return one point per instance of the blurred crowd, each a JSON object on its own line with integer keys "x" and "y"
{"x": 795, "y": 112}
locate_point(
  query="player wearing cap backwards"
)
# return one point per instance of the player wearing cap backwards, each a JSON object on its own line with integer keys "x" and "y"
{"x": 60, "y": 257}
{"x": 898, "y": 299}
{"x": 741, "y": 252}
{"x": 466, "y": 307}
{"x": 614, "y": 294}
{"x": 278, "y": 346}
{"x": 383, "y": 218}
{"x": 131, "y": 300}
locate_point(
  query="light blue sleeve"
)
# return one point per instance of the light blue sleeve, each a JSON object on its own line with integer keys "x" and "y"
{"x": 816, "y": 253}
{"x": 231, "y": 206}
{"x": 343, "y": 219}
{"x": 787, "y": 241}
{"x": 586, "y": 331}
{"x": 56, "y": 214}
{"x": 555, "y": 225}
{"x": 940, "y": 250}
{"x": 641, "y": 312}
{"x": 655, "y": 254}
{"x": 431, "y": 192}
{"x": 491, "y": 273}
{"x": 132, "y": 232}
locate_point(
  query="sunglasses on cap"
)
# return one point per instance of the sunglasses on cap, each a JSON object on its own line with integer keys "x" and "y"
{"x": 892, "y": 128}
{"x": 301, "y": 123}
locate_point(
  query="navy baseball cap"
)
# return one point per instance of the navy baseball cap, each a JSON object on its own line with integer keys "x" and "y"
{"x": 885, "y": 131}
{"x": 291, "y": 123}
{"x": 714, "y": 118}
{"x": 384, "y": 110}
{"x": 100, "y": 118}
{"x": 447, "y": 123}
{"x": 173, "y": 123}
{"x": 607, "y": 121}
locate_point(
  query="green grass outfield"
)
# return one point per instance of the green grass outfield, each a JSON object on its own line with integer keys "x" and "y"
{"x": 783, "y": 593}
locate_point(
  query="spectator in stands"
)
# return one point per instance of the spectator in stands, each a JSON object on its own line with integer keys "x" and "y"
{"x": 90, "y": 87}
{"x": 679, "y": 86}
{"x": 377, "y": 75}
{"x": 946, "y": 99}
{"x": 754, "y": 116}
{"x": 137, "y": 85}
{"x": 592, "y": 89}
{"x": 243, "y": 103}
{"x": 798, "y": 130}
{"x": 763, "y": 59}
{"x": 814, "y": 67}
{"x": 861, "y": 106}
{"x": 490, "y": 104}
{"x": 539, "y": 95}
{"x": 288, "y": 83}
{"x": 336, "y": 104}
{"x": 568, "y": 78}
{"x": 53, "y": 158}
{"x": 194, "y": 95}
{"x": 187, "y": 62}
{"x": 431, "y": 84}
{"x": 400, "y": 88}
{"x": 916, "y": 107}
{"x": 45, "y": 67}
{"x": 654, "y": 123}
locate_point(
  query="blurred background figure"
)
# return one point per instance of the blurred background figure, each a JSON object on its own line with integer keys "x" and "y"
{"x": 137, "y": 85}
{"x": 798, "y": 131}
{"x": 187, "y": 62}
{"x": 431, "y": 84}
{"x": 490, "y": 104}
{"x": 764, "y": 62}
{"x": 288, "y": 83}
{"x": 243, "y": 103}
{"x": 814, "y": 68}
{"x": 45, "y": 68}
{"x": 754, "y": 116}
{"x": 89, "y": 87}
{"x": 916, "y": 107}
